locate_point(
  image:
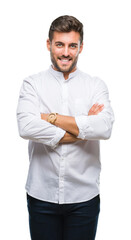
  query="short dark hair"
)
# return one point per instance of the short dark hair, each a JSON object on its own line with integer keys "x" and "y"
{"x": 66, "y": 23}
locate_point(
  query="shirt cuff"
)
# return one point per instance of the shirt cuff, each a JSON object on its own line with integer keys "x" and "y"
{"x": 83, "y": 124}
{"x": 59, "y": 134}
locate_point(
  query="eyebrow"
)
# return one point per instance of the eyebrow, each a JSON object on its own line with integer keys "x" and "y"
{"x": 58, "y": 42}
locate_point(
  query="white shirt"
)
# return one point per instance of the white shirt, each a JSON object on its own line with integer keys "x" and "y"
{"x": 63, "y": 173}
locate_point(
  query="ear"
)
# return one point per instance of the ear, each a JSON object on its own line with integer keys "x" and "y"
{"x": 81, "y": 47}
{"x": 48, "y": 44}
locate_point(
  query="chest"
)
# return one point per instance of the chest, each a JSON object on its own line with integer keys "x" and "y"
{"x": 71, "y": 98}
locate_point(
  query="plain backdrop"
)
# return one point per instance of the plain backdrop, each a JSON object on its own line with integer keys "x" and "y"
{"x": 107, "y": 54}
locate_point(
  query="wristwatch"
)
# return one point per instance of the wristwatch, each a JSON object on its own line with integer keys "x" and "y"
{"x": 52, "y": 118}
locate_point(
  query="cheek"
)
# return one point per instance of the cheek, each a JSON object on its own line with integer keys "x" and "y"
{"x": 76, "y": 54}
{"x": 57, "y": 52}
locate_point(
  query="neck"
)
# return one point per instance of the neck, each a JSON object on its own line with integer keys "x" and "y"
{"x": 66, "y": 74}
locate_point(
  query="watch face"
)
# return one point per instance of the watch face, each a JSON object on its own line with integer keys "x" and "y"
{"x": 52, "y": 118}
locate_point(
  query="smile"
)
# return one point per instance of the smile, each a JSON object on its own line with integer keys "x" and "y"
{"x": 65, "y": 61}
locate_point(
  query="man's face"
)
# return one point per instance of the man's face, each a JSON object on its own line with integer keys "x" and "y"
{"x": 64, "y": 50}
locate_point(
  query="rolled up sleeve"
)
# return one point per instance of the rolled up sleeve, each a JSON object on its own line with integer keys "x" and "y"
{"x": 97, "y": 127}
{"x": 30, "y": 124}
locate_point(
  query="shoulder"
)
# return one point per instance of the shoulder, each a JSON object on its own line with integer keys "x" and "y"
{"x": 93, "y": 80}
{"x": 84, "y": 76}
{"x": 35, "y": 80}
{"x": 37, "y": 76}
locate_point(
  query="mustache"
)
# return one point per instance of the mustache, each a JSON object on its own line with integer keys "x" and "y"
{"x": 65, "y": 57}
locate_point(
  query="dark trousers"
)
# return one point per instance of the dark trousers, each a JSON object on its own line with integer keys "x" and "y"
{"x": 51, "y": 221}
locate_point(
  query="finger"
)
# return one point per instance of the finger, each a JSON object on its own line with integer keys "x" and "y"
{"x": 91, "y": 111}
{"x": 94, "y": 107}
{"x": 99, "y": 108}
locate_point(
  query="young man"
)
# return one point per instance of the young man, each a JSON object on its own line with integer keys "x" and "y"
{"x": 64, "y": 112}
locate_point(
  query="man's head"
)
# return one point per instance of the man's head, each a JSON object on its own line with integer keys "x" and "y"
{"x": 65, "y": 43}
{"x": 66, "y": 24}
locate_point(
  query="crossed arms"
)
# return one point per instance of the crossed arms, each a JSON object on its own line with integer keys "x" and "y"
{"x": 68, "y": 124}
{"x": 96, "y": 125}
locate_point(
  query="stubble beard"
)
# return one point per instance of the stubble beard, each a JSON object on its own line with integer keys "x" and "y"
{"x": 68, "y": 70}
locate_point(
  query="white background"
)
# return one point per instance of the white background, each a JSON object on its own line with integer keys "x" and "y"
{"x": 107, "y": 54}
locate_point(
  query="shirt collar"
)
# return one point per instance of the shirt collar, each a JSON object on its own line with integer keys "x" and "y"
{"x": 60, "y": 75}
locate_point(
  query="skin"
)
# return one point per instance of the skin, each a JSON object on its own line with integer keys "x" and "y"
{"x": 64, "y": 52}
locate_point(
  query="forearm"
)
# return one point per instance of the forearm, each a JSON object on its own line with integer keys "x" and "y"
{"x": 67, "y": 123}
{"x": 33, "y": 128}
{"x": 69, "y": 138}
{"x": 71, "y": 126}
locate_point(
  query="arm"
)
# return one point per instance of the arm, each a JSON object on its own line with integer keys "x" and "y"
{"x": 68, "y": 123}
{"x": 30, "y": 124}
{"x": 98, "y": 124}
{"x": 69, "y": 138}
{"x": 96, "y": 127}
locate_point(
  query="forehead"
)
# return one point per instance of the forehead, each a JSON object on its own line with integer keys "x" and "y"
{"x": 66, "y": 37}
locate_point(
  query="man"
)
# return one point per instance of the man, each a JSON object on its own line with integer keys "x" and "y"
{"x": 64, "y": 112}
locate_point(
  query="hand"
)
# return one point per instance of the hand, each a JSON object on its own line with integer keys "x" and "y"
{"x": 96, "y": 109}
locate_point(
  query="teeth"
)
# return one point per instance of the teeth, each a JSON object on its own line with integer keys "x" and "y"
{"x": 65, "y": 60}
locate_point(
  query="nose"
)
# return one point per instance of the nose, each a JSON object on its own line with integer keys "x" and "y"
{"x": 66, "y": 51}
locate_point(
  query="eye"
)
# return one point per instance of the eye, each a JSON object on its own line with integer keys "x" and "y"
{"x": 73, "y": 46}
{"x": 59, "y": 44}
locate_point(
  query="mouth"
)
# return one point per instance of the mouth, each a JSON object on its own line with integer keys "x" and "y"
{"x": 65, "y": 61}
